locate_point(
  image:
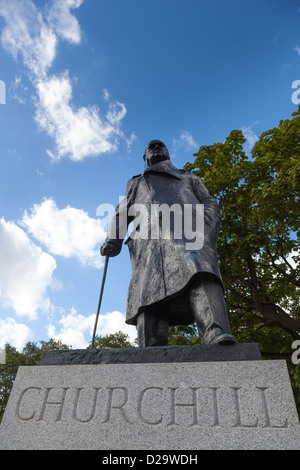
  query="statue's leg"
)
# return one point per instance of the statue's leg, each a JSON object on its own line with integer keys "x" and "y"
{"x": 210, "y": 312}
{"x": 152, "y": 329}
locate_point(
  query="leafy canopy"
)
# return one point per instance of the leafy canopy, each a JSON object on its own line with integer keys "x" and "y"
{"x": 259, "y": 239}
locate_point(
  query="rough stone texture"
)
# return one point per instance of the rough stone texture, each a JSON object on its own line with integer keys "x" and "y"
{"x": 174, "y": 406}
{"x": 203, "y": 353}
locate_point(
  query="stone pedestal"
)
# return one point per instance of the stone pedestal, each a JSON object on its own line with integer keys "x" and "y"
{"x": 152, "y": 406}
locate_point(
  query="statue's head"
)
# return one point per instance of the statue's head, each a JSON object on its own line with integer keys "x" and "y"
{"x": 155, "y": 152}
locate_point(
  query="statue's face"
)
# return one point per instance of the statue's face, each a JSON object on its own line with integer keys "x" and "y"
{"x": 155, "y": 152}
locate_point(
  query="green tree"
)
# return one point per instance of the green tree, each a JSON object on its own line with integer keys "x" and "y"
{"x": 115, "y": 340}
{"x": 183, "y": 335}
{"x": 30, "y": 356}
{"x": 259, "y": 238}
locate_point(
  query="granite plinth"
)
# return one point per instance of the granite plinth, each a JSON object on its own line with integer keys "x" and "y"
{"x": 245, "y": 405}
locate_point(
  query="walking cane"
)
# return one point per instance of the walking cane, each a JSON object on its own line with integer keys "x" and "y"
{"x": 100, "y": 299}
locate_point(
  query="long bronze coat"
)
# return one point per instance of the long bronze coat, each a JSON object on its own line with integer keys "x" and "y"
{"x": 163, "y": 269}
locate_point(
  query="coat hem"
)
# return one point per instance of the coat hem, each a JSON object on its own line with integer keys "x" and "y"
{"x": 181, "y": 293}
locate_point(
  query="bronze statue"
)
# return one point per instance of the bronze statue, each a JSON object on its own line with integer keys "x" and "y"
{"x": 173, "y": 282}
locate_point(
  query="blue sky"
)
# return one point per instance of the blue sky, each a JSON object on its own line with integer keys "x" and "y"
{"x": 88, "y": 85}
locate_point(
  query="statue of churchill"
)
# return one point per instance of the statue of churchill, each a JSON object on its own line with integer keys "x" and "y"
{"x": 173, "y": 281}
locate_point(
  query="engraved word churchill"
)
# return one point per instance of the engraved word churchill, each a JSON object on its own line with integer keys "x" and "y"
{"x": 226, "y": 407}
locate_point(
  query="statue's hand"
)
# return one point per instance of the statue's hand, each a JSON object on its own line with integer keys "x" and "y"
{"x": 109, "y": 249}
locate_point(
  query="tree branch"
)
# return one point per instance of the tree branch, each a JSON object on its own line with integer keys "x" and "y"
{"x": 268, "y": 310}
{"x": 291, "y": 277}
{"x": 237, "y": 278}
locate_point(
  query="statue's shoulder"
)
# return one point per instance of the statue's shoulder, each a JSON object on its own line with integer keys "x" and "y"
{"x": 188, "y": 173}
{"x": 191, "y": 177}
{"x": 134, "y": 179}
{"x": 185, "y": 173}
{"x": 132, "y": 182}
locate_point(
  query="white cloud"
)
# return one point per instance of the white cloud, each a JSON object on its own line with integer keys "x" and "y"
{"x": 113, "y": 322}
{"x": 18, "y": 91}
{"x": 76, "y": 330}
{"x": 77, "y": 133}
{"x": 26, "y": 35}
{"x": 67, "y": 232}
{"x": 292, "y": 258}
{"x": 33, "y": 35}
{"x": 297, "y": 49}
{"x": 186, "y": 142}
{"x": 106, "y": 95}
{"x": 16, "y": 334}
{"x": 72, "y": 328}
{"x": 187, "y": 139}
{"x": 26, "y": 272}
{"x": 116, "y": 113}
{"x": 249, "y": 135}
{"x": 130, "y": 141}
{"x": 63, "y": 22}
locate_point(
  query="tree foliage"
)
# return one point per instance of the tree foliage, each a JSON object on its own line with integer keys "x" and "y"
{"x": 183, "y": 335}
{"x": 259, "y": 239}
{"x": 116, "y": 340}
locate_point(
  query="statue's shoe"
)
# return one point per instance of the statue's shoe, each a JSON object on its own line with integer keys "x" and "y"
{"x": 224, "y": 340}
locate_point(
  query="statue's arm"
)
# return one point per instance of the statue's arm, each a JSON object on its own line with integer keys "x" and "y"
{"x": 117, "y": 228}
{"x": 211, "y": 208}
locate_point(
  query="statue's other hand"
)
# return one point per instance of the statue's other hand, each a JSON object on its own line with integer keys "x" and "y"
{"x": 109, "y": 249}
